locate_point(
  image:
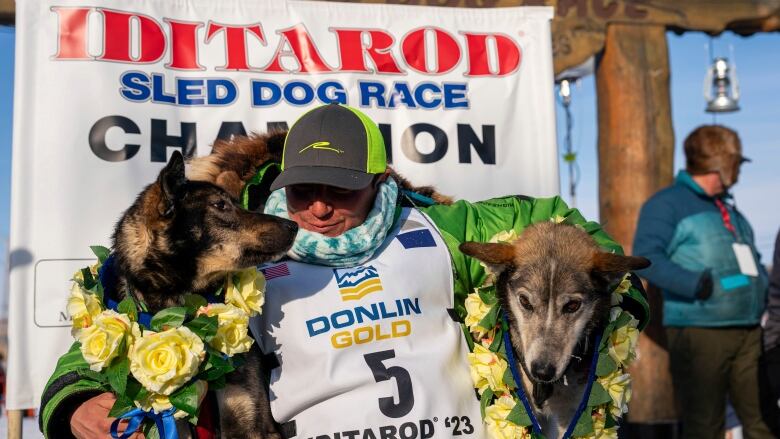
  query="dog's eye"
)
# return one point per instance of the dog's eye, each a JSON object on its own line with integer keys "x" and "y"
{"x": 220, "y": 205}
{"x": 572, "y": 307}
{"x": 525, "y": 303}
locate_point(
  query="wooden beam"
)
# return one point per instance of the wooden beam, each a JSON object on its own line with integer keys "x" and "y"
{"x": 7, "y": 9}
{"x": 636, "y": 152}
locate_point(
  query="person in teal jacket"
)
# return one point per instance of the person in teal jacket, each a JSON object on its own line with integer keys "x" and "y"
{"x": 353, "y": 214}
{"x": 712, "y": 308}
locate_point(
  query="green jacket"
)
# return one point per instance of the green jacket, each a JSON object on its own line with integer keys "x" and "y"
{"x": 73, "y": 383}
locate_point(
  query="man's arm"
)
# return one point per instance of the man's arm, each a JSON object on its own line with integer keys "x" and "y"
{"x": 69, "y": 387}
{"x": 654, "y": 232}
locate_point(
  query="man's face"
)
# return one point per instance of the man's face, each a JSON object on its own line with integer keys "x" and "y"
{"x": 329, "y": 210}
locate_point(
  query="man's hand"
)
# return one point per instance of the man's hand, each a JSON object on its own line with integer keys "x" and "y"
{"x": 91, "y": 419}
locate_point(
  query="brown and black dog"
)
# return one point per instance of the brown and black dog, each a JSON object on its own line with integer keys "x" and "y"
{"x": 183, "y": 236}
{"x": 554, "y": 284}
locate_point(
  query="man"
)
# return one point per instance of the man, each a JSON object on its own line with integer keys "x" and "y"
{"x": 714, "y": 287}
{"x": 364, "y": 318}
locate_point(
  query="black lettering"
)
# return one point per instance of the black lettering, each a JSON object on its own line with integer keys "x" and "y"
{"x": 403, "y": 380}
{"x": 97, "y": 138}
{"x": 604, "y": 11}
{"x": 426, "y": 429}
{"x": 409, "y": 145}
{"x": 485, "y": 148}
{"x": 368, "y": 434}
{"x": 565, "y": 5}
{"x": 161, "y": 140}
{"x": 412, "y": 434}
{"x": 387, "y": 135}
{"x": 351, "y": 434}
{"x": 388, "y": 432}
{"x": 468, "y": 428}
{"x": 64, "y": 317}
{"x": 230, "y": 129}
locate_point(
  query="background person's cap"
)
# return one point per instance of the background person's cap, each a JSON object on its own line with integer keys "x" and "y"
{"x": 335, "y": 145}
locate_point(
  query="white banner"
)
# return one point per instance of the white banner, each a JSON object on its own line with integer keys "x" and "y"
{"x": 464, "y": 98}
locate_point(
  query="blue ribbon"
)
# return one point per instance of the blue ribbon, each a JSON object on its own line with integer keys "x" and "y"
{"x": 166, "y": 423}
{"x": 510, "y": 356}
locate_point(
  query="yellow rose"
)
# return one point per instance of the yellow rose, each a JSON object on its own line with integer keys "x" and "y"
{"x": 83, "y": 307}
{"x": 599, "y": 432}
{"x": 507, "y": 236}
{"x": 557, "y": 219}
{"x": 94, "y": 268}
{"x": 622, "y": 341}
{"x": 100, "y": 342}
{"x": 233, "y": 330}
{"x": 250, "y": 293}
{"x": 487, "y": 370}
{"x": 163, "y": 361}
{"x": 618, "y": 385}
{"x": 476, "y": 310}
{"x": 497, "y": 425}
{"x": 622, "y": 288}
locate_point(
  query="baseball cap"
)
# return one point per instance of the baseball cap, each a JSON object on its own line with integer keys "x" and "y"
{"x": 335, "y": 145}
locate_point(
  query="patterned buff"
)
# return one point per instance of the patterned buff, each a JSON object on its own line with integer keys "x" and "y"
{"x": 355, "y": 246}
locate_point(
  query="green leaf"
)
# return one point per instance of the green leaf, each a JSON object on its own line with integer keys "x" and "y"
{"x": 490, "y": 319}
{"x": 488, "y": 295}
{"x": 186, "y": 399}
{"x": 193, "y": 302}
{"x": 598, "y": 395}
{"x": 584, "y": 425}
{"x": 204, "y": 326}
{"x": 169, "y": 318}
{"x": 127, "y": 306}
{"x": 569, "y": 157}
{"x": 509, "y": 379}
{"x": 498, "y": 339}
{"x": 467, "y": 335}
{"x": 518, "y": 415}
{"x": 122, "y": 405}
{"x": 217, "y": 384}
{"x": 117, "y": 375}
{"x": 622, "y": 319}
{"x": 606, "y": 365}
{"x": 610, "y": 420}
{"x": 485, "y": 400}
{"x": 101, "y": 252}
{"x": 134, "y": 390}
{"x": 219, "y": 290}
{"x": 89, "y": 280}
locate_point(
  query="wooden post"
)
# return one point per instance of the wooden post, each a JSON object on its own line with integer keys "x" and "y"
{"x": 636, "y": 153}
{"x": 15, "y": 424}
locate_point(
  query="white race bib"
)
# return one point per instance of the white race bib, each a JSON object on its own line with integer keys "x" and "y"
{"x": 370, "y": 351}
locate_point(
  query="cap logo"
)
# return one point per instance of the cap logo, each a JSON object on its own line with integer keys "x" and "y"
{"x": 321, "y": 145}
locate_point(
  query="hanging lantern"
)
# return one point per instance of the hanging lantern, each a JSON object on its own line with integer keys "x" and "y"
{"x": 721, "y": 89}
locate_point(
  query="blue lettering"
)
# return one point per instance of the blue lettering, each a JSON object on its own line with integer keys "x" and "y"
{"x": 158, "y": 89}
{"x": 361, "y": 311}
{"x": 383, "y": 311}
{"x": 350, "y": 319}
{"x": 409, "y": 306}
{"x": 313, "y": 330}
{"x": 221, "y": 91}
{"x": 190, "y": 91}
{"x": 265, "y": 93}
{"x": 338, "y": 95}
{"x": 402, "y": 95}
{"x": 435, "y": 95}
{"x": 372, "y": 90}
{"x": 135, "y": 86}
{"x": 290, "y": 95}
{"x": 455, "y": 96}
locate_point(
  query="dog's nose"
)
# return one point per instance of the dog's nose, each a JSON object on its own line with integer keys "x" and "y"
{"x": 542, "y": 371}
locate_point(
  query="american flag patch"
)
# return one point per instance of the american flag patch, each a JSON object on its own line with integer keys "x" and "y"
{"x": 280, "y": 270}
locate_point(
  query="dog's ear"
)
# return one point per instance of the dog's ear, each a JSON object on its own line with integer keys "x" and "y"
{"x": 497, "y": 256}
{"x": 608, "y": 269}
{"x": 171, "y": 179}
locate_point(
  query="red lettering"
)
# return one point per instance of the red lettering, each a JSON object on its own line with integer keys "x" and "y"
{"x": 353, "y": 52}
{"x": 235, "y": 43}
{"x": 72, "y": 33}
{"x": 414, "y": 51}
{"x": 302, "y": 49}
{"x": 507, "y": 56}
{"x": 184, "y": 45}
{"x": 116, "y": 40}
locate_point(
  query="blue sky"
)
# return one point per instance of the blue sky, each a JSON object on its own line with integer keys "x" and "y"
{"x": 758, "y": 63}
{"x": 757, "y": 66}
